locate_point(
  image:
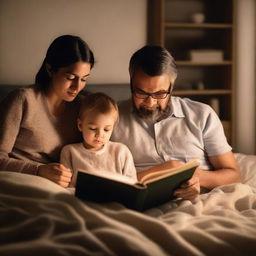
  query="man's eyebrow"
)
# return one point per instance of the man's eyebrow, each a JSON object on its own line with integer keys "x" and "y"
{"x": 162, "y": 90}
{"x": 138, "y": 89}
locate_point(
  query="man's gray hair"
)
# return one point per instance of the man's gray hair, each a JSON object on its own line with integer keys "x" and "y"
{"x": 154, "y": 61}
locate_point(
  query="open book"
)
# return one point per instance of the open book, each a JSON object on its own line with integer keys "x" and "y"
{"x": 153, "y": 189}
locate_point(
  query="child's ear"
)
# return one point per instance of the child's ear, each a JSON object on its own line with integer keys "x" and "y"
{"x": 79, "y": 124}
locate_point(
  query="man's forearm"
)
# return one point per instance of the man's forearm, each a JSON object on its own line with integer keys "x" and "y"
{"x": 213, "y": 178}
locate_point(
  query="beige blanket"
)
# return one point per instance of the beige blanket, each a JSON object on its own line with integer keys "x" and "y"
{"x": 37, "y": 217}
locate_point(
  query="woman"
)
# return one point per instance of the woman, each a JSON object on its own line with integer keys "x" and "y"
{"x": 37, "y": 121}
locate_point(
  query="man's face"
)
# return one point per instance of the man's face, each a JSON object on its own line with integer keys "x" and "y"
{"x": 150, "y": 107}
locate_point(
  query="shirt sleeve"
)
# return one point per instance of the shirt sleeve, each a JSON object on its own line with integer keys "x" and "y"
{"x": 129, "y": 169}
{"x": 213, "y": 135}
{"x": 65, "y": 157}
{"x": 11, "y": 112}
{"x": 66, "y": 160}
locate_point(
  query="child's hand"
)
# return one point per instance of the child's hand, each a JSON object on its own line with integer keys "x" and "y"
{"x": 189, "y": 190}
{"x": 56, "y": 172}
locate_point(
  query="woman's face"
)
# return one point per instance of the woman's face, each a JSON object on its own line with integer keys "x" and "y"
{"x": 68, "y": 81}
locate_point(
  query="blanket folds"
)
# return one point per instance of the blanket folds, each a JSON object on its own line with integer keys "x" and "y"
{"x": 38, "y": 217}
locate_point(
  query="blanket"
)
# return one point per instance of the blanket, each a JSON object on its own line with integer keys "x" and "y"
{"x": 38, "y": 217}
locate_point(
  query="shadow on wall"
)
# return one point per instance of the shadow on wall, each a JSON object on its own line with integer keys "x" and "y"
{"x": 118, "y": 92}
{"x": 5, "y": 89}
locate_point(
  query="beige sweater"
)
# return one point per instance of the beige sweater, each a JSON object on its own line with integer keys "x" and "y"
{"x": 29, "y": 134}
{"x": 113, "y": 157}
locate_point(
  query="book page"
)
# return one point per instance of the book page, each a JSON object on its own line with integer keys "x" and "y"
{"x": 167, "y": 172}
{"x": 111, "y": 175}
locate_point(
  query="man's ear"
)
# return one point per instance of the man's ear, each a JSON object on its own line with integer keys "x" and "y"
{"x": 79, "y": 124}
{"x": 48, "y": 69}
{"x": 172, "y": 79}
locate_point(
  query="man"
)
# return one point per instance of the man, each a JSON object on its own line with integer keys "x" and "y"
{"x": 162, "y": 130}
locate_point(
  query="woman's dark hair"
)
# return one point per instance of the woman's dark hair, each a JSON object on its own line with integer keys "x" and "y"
{"x": 63, "y": 51}
{"x": 153, "y": 60}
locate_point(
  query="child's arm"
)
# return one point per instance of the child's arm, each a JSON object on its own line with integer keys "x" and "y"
{"x": 129, "y": 169}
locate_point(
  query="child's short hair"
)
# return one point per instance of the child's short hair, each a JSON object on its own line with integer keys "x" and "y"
{"x": 99, "y": 102}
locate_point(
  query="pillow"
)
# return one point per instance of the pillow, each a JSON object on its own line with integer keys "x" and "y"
{"x": 18, "y": 180}
{"x": 247, "y": 164}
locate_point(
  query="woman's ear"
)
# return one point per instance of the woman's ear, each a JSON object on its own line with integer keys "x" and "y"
{"x": 48, "y": 69}
{"x": 79, "y": 124}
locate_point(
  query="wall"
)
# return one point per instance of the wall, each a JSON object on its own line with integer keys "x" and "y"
{"x": 245, "y": 76}
{"x": 114, "y": 29}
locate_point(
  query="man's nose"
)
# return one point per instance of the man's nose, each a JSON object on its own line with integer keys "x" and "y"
{"x": 149, "y": 101}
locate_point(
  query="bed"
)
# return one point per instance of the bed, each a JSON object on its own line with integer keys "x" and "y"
{"x": 38, "y": 217}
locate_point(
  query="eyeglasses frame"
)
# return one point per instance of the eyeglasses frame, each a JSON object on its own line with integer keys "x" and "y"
{"x": 147, "y": 94}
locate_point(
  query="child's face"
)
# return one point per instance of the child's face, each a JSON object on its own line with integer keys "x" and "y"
{"x": 96, "y": 128}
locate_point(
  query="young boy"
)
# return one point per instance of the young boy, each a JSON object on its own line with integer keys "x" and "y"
{"x": 97, "y": 118}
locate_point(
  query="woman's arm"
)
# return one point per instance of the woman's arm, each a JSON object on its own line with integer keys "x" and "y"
{"x": 11, "y": 113}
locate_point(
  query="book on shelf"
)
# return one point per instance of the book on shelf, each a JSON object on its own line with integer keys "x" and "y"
{"x": 206, "y": 55}
{"x": 152, "y": 190}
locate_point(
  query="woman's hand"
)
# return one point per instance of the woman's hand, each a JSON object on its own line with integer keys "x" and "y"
{"x": 189, "y": 190}
{"x": 56, "y": 172}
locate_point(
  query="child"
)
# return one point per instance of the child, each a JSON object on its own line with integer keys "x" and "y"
{"x": 97, "y": 118}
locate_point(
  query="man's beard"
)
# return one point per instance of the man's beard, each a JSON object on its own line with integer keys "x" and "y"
{"x": 153, "y": 114}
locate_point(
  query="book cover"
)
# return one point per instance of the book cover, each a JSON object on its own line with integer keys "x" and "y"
{"x": 154, "y": 189}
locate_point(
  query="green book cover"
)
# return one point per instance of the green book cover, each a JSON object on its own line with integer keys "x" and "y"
{"x": 154, "y": 189}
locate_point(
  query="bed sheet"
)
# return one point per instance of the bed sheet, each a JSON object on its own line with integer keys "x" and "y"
{"x": 38, "y": 217}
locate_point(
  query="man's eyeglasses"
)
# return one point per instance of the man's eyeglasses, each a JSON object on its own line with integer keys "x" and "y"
{"x": 155, "y": 95}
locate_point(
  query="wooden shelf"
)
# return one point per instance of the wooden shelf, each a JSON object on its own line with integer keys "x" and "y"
{"x": 201, "y": 92}
{"x": 197, "y": 25}
{"x": 191, "y": 63}
{"x": 170, "y": 25}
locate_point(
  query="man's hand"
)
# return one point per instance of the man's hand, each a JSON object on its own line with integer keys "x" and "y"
{"x": 189, "y": 190}
{"x": 56, "y": 172}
